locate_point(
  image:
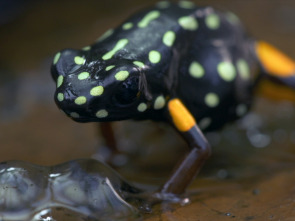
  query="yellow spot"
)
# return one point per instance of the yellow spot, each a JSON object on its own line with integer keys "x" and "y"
{"x": 274, "y": 61}
{"x": 127, "y": 26}
{"x": 196, "y": 70}
{"x": 79, "y": 60}
{"x": 186, "y": 4}
{"x": 83, "y": 75}
{"x": 87, "y": 48}
{"x": 148, "y": 18}
{"x": 204, "y": 123}
{"x": 80, "y": 100}
{"x": 120, "y": 44}
{"x": 110, "y": 67}
{"x": 154, "y": 56}
{"x": 212, "y": 21}
{"x": 212, "y": 100}
{"x": 159, "y": 102}
{"x": 226, "y": 71}
{"x": 163, "y": 4}
{"x": 60, "y": 97}
{"x": 243, "y": 69}
{"x": 188, "y": 23}
{"x": 138, "y": 64}
{"x": 142, "y": 107}
{"x": 56, "y": 58}
{"x": 74, "y": 115}
{"x": 59, "y": 81}
{"x": 169, "y": 38}
{"x": 121, "y": 75}
{"x": 101, "y": 113}
{"x": 97, "y": 91}
{"x": 106, "y": 35}
{"x": 181, "y": 117}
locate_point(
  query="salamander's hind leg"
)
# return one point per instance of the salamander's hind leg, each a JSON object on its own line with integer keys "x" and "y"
{"x": 185, "y": 124}
{"x": 275, "y": 64}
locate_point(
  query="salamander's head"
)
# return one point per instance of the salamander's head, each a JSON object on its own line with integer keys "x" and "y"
{"x": 90, "y": 89}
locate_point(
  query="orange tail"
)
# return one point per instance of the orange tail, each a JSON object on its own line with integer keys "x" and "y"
{"x": 274, "y": 61}
{"x": 279, "y": 68}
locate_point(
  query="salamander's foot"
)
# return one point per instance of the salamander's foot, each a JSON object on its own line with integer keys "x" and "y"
{"x": 145, "y": 201}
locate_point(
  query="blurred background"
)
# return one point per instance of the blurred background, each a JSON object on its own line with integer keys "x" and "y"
{"x": 33, "y": 129}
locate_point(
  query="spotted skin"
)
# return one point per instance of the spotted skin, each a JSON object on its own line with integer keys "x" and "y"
{"x": 192, "y": 66}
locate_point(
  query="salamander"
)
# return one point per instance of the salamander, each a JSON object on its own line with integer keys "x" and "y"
{"x": 191, "y": 66}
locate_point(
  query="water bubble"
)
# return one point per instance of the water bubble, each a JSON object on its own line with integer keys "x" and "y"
{"x": 258, "y": 139}
{"x": 87, "y": 188}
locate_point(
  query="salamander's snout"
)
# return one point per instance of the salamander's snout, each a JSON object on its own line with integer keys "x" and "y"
{"x": 71, "y": 81}
{"x": 66, "y": 62}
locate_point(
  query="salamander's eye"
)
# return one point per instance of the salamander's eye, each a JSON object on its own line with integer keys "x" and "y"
{"x": 127, "y": 91}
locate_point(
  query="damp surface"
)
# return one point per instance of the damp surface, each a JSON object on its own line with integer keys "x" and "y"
{"x": 250, "y": 175}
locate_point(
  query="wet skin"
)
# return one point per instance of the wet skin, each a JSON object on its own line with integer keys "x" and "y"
{"x": 178, "y": 63}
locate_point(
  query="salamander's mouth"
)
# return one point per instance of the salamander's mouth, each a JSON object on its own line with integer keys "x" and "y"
{"x": 80, "y": 118}
{"x": 101, "y": 115}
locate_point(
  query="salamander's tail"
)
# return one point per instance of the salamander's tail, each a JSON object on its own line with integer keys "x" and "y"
{"x": 279, "y": 68}
{"x": 276, "y": 64}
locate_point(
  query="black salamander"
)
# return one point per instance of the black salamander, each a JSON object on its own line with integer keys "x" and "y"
{"x": 193, "y": 67}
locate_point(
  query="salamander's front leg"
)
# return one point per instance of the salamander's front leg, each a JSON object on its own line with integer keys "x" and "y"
{"x": 110, "y": 153}
{"x": 185, "y": 123}
{"x": 107, "y": 133}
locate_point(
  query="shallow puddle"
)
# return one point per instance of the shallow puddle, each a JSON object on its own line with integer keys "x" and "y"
{"x": 250, "y": 175}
